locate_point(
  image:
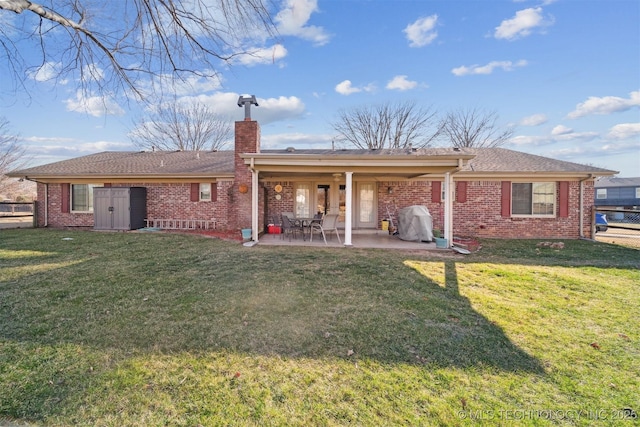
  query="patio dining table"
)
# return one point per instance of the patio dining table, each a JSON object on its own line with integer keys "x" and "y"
{"x": 306, "y": 223}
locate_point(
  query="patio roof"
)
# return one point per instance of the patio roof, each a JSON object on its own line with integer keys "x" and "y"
{"x": 378, "y": 164}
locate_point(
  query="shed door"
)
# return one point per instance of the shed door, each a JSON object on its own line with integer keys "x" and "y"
{"x": 101, "y": 204}
{"x": 120, "y": 203}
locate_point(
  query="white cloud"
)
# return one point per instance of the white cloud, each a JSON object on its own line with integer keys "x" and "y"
{"x": 401, "y": 83}
{"x": 345, "y": 87}
{"x": 422, "y": 32}
{"x": 278, "y": 109}
{"x": 292, "y": 21}
{"x": 605, "y": 105}
{"x": 488, "y": 69}
{"x": 559, "y": 134}
{"x": 624, "y": 131}
{"x": 266, "y": 55}
{"x": 96, "y": 106}
{"x": 534, "y": 120}
{"x": 561, "y": 130}
{"x": 190, "y": 85}
{"x": 594, "y": 150}
{"x": 298, "y": 140}
{"x": 522, "y": 24}
{"x": 527, "y": 140}
{"x": 48, "y": 71}
{"x": 96, "y": 73}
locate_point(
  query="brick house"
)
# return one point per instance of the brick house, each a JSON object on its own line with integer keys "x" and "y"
{"x": 490, "y": 192}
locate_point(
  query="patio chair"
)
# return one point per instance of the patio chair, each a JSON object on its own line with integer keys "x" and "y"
{"x": 328, "y": 223}
{"x": 289, "y": 227}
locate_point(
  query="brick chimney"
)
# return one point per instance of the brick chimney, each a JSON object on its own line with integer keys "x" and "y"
{"x": 247, "y": 140}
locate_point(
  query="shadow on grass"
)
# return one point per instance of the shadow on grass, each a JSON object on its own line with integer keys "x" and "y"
{"x": 113, "y": 297}
{"x": 311, "y": 304}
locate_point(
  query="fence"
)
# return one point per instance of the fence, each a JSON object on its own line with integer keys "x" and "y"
{"x": 17, "y": 214}
{"x": 622, "y": 225}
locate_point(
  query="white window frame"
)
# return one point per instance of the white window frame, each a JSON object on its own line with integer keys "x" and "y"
{"x": 549, "y": 197}
{"x": 637, "y": 192}
{"x": 89, "y": 195}
{"x": 204, "y": 192}
{"x": 601, "y": 193}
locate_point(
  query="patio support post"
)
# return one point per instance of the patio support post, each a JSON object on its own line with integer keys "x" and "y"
{"x": 448, "y": 208}
{"x": 348, "y": 208}
{"x": 254, "y": 205}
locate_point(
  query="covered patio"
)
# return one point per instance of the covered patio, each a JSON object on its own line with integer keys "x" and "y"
{"x": 348, "y": 168}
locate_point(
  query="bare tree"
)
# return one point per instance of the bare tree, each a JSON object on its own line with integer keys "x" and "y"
{"x": 11, "y": 153}
{"x": 474, "y": 127}
{"x": 114, "y": 45}
{"x": 183, "y": 126}
{"x": 388, "y": 126}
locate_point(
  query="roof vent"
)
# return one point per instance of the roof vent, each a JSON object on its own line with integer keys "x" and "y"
{"x": 290, "y": 149}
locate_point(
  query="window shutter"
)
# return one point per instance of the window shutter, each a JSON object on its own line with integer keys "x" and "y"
{"x": 214, "y": 191}
{"x": 195, "y": 192}
{"x": 461, "y": 191}
{"x": 506, "y": 198}
{"x": 564, "y": 198}
{"x": 436, "y": 191}
{"x": 64, "y": 196}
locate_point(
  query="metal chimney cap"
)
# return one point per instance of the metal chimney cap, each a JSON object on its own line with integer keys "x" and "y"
{"x": 247, "y": 99}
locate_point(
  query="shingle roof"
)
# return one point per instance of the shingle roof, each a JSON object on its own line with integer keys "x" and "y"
{"x": 188, "y": 163}
{"x": 138, "y": 163}
{"x": 608, "y": 182}
{"x": 504, "y": 160}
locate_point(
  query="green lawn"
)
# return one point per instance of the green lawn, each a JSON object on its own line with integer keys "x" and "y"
{"x": 139, "y": 329}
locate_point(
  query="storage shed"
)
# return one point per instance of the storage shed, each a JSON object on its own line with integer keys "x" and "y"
{"x": 119, "y": 208}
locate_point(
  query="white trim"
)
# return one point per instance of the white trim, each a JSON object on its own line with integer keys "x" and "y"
{"x": 254, "y": 205}
{"x": 448, "y": 208}
{"x": 348, "y": 208}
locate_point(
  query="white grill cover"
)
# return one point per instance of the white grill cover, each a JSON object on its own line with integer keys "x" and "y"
{"x": 415, "y": 224}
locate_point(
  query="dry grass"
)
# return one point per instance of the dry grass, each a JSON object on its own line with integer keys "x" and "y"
{"x": 157, "y": 329}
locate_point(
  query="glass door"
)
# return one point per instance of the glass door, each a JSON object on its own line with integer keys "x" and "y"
{"x": 366, "y": 212}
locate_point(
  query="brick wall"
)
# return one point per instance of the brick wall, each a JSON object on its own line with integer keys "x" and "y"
{"x": 164, "y": 201}
{"x": 480, "y": 215}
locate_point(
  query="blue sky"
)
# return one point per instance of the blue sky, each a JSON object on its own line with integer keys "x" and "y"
{"x": 564, "y": 73}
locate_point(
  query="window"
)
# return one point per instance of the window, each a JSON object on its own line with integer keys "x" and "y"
{"x": 601, "y": 193}
{"x": 303, "y": 201}
{"x": 535, "y": 199}
{"x": 205, "y": 192}
{"x": 82, "y": 197}
{"x": 637, "y": 192}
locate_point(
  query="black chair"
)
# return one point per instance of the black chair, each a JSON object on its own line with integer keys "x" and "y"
{"x": 290, "y": 227}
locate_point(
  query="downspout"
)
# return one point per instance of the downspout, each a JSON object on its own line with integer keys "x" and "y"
{"x": 581, "y": 220}
{"x": 46, "y": 199}
{"x": 46, "y": 204}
